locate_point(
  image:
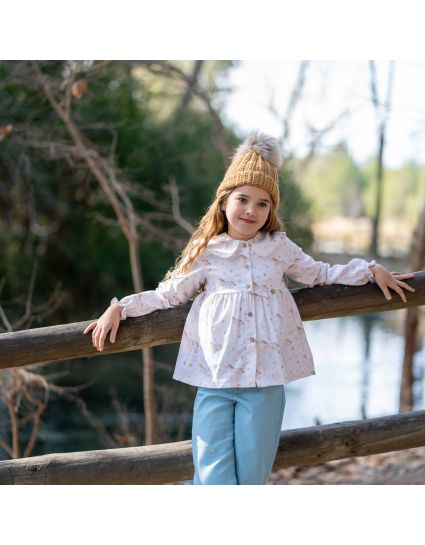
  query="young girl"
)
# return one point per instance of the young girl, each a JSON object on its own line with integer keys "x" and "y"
{"x": 243, "y": 338}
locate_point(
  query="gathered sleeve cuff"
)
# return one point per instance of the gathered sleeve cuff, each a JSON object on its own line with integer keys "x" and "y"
{"x": 169, "y": 293}
{"x": 304, "y": 269}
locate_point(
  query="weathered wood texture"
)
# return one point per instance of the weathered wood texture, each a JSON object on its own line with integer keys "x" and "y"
{"x": 161, "y": 464}
{"x": 65, "y": 342}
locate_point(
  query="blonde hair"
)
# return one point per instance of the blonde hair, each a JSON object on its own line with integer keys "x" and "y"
{"x": 214, "y": 222}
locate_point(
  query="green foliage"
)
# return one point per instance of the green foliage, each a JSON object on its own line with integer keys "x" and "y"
{"x": 403, "y": 195}
{"x": 337, "y": 186}
{"x": 295, "y": 209}
{"x": 334, "y": 184}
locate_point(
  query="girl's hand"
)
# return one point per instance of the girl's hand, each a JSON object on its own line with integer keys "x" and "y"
{"x": 386, "y": 279}
{"x": 109, "y": 321}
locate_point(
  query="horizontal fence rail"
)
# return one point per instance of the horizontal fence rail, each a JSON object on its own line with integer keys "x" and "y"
{"x": 65, "y": 342}
{"x": 172, "y": 462}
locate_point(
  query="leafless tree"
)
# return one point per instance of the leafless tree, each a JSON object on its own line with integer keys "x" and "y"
{"x": 26, "y": 391}
{"x": 294, "y": 100}
{"x": 168, "y": 70}
{"x": 382, "y": 114}
{"x": 104, "y": 171}
{"x": 316, "y": 134}
{"x": 116, "y": 188}
{"x": 191, "y": 83}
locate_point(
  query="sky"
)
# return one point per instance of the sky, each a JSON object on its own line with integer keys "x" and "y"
{"x": 333, "y": 90}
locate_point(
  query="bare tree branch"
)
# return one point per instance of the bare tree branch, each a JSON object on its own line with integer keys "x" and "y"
{"x": 193, "y": 82}
{"x": 174, "y": 192}
{"x": 317, "y": 135}
{"x": 165, "y": 68}
{"x": 294, "y": 100}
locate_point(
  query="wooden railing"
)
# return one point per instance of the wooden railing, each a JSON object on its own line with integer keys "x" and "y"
{"x": 66, "y": 342}
{"x": 173, "y": 462}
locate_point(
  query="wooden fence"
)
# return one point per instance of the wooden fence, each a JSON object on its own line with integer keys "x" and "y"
{"x": 172, "y": 462}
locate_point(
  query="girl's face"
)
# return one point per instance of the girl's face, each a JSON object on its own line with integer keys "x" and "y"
{"x": 247, "y": 209}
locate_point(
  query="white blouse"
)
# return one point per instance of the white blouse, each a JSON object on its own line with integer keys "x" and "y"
{"x": 245, "y": 329}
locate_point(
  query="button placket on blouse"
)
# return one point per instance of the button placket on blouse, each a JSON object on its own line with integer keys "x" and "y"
{"x": 251, "y": 332}
{"x": 247, "y": 277}
{"x": 248, "y": 267}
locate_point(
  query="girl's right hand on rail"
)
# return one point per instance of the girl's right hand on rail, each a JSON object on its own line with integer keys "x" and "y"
{"x": 109, "y": 321}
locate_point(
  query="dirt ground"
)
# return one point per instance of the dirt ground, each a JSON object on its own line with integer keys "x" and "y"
{"x": 401, "y": 467}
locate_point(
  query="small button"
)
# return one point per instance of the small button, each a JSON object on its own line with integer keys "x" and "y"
{"x": 249, "y": 313}
{"x": 252, "y": 339}
{"x": 246, "y": 266}
{"x": 273, "y": 290}
{"x": 244, "y": 244}
{"x": 247, "y": 286}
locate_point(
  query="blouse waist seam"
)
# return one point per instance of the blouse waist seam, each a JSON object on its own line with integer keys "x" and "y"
{"x": 265, "y": 292}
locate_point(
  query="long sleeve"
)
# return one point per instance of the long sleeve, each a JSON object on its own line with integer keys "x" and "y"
{"x": 304, "y": 269}
{"x": 169, "y": 293}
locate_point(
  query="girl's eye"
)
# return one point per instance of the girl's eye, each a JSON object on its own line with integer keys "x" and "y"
{"x": 262, "y": 203}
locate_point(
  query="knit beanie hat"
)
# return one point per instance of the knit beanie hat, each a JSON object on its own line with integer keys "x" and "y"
{"x": 256, "y": 162}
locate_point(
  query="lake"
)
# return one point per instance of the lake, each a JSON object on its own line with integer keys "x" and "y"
{"x": 358, "y": 363}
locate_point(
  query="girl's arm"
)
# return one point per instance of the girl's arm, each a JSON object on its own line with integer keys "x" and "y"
{"x": 306, "y": 270}
{"x": 303, "y": 268}
{"x": 169, "y": 293}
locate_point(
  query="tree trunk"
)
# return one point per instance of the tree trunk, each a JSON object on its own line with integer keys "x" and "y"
{"x": 417, "y": 259}
{"x": 378, "y": 196}
{"x": 149, "y": 405}
{"x": 382, "y": 115}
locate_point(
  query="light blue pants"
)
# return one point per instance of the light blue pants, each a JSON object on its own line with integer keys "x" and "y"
{"x": 235, "y": 434}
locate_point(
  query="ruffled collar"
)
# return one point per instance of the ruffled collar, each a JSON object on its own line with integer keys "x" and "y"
{"x": 224, "y": 246}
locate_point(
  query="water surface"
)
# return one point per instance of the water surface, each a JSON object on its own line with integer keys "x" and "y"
{"x": 358, "y": 362}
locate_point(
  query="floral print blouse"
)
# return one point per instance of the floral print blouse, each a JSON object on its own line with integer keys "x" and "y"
{"x": 245, "y": 329}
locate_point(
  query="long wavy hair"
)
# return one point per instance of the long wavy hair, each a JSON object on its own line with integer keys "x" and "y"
{"x": 214, "y": 222}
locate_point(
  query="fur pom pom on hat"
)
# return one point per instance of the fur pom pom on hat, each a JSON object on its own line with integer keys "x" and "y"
{"x": 256, "y": 162}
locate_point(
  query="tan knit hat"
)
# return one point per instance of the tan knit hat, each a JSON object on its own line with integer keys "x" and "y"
{"x": 256, "y": 162}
